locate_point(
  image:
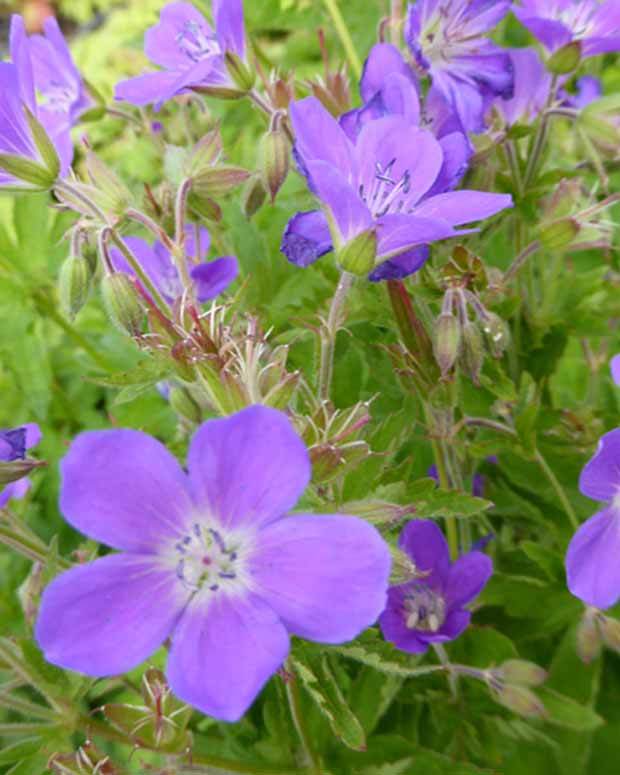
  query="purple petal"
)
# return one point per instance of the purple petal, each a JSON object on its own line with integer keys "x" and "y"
{"x": 108, "y": 616}
{"x": 467, "y": 577}
{"x": 325, "y": 576}
{"x": 532, "y": 83}
{"x": 402, "y": 266}
{"x": 383, "y": 61}
{"x": 228, "y": 15}
{"x": 214, "y": 277}
{"x": 318, "y": 136}
{"x": 614, "y": 365}
{"x": 249, "y": 468}
{"x": 204, "y": 242}
{"x": 425, "y": 544}
{"x": 224, "y": 650}
{"x": 393, "y": 626}
{"x": 552, "y": 34}
{"x": 163, "y": 43}
{"x": 456, "y": 622}
{"x": 21, "y": 58}
{"x": 14, "y": 491}
{"x": 457, "y": 151}
{"x": 594, "y": 46}
{"x": 459, "y": 207}
{"x": 351, "y": 215}
{"x": 146, "y": 89}
{"x": 466, "y": 99}
{"x": 124, "y": 489}
{"x": 306, "y": 238}
{"x": 600, "y": 477}
{"x": 403, "y": 232}
{"x": 33, "y": 434}
{"x": 592, "y": 567}
{"x": 15, "y": 135}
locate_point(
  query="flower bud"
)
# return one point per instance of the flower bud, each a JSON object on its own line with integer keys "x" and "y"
{"x": 123, "y": 303}
{"x": 447, "y": 341}
{"x": 497, "y": 333}
{"x": 184, "y": 405}
{"x": 74, "y": 285}
{"x": 215, "y": 182}
{"x": 519, "y": 700}
{"x": 565, "y": 59}
{"x": 378, "y": 512}
{"x": 253, "y": 195}
{"x": 589, "y": 640}
{"x": 275, "y": 154}
{"x": 559, "y": 234}
{"x": 359, "y": 254}
{"x": 472, "y": 351}
{"x": 522, "y": 673}
{"x": 242, "y": 76}
{"x": 114, "y": 196}
{"x": 203, "y": 156}
{"x": 14, "y": 470}
{"x": 610, "y": 632}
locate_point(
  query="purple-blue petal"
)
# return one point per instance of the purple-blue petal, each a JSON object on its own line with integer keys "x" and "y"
{"x": 229, "y": 26}
{"x": 306, "y": 238}
{"x": 402, "y": 266}
{"x": 212, "y": 278}
{"x": 600, "y": 477}
{"x": 466, "y": 578}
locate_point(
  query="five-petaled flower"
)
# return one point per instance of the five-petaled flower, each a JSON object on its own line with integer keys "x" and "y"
{"x": 448, "y": 41}
{"x": 592, "y": 567}
{"x": 190, "y": 51}
{"x": 13, "y": 445}
{"x": 556, "y": 23}
{"x": 210, "y": 278}
{"x": 431, "y": 609}
{"x": 384, "y": 182}
{"x": 208, "y": 559}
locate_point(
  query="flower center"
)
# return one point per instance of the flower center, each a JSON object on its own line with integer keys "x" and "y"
{"x": 386, "y": 194}
{"x": 196, "y": 43}
{"x": 57, "y": 96}
{"x": 204, "y": 559}
{"x": 424, "y": 609}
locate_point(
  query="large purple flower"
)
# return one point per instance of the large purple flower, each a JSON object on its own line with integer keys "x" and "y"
{"x": 532, "y": 85}
{"x": 592, "y": 567}
{"x": 209, "y": 559}
{"x": 432, "y": 609}
{"x": 595, "y": 24}
{"x": 210, "y": 277}
{"x": 190, "y": 51}
{"x": 448, "y": 40}
{"x": 13, "y": 445}
{"x": 385, "y": 182}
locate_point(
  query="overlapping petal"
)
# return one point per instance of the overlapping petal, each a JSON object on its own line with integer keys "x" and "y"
{"x": 592, "y": 567}
{"x": 600, "y": 477}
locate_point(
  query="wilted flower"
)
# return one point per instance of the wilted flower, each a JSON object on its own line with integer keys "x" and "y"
{"x": 191, "y": 53}
{"x": 532, "y": 85}
{"x": 375, "y": 191}
{"x": 595, "y": 25}
{"x": 432, "y": 609}
{"x": 208, "y": 559}
{"x": 13, "y": 445}
{"x": 210, "y": 277}
{"x": 592, "y": 567}
{"x": 448, "y": 40}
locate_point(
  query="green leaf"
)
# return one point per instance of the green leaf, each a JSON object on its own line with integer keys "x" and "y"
{"x": 566, "y": 712}
{"x": 442, "y": 503}
{"x": 20, "y": 750}
{"x": 370, "y": 649}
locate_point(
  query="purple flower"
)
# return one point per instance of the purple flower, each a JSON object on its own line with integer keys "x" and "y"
{"x": 13, "y": 445}
{"x": 596, "y": 25}
{"x": 190, "y": 51}
{"x": 209, "y": 559}
{"x": 447, "y": 39}
{"x": 384, "y": 182}
{"x": 592, "y": 567}
{"x": 532, "y": 85}
{"x": 210, "y": 277}
{"x": 589, "y": 89}
{"x": 432, "y": 609}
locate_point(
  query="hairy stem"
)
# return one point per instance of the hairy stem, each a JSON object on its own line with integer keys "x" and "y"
{"x": 329, "y": 333}
{"x": 520, "y": 260}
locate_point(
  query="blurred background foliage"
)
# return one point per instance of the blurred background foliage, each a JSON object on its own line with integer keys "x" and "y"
{"x": 48, "y": 371}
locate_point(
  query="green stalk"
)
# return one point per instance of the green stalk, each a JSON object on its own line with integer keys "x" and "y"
{"x": 345, "y": 37}
{"x": 329, "y": 333}
{"x": 559, "y": 490}
{"x": 299, "y": 721}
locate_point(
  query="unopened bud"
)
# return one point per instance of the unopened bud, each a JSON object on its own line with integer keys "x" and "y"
{"x": 242, "y": 76}
{"x": 123, "y": 303}
{"x": 565, "y": 59}
{"x": 447, "y": 341}
{"x": 497, "y": 333}
{"x": 275, "y": 154}
{"x": 610, "y": 632}
{"x": 74, "y": 285}
{"x": 13, "y": 470}
{"x": 589, "y": 639}
{"x": 359, "y": 254}
{"x": 377, "y": 512}
{"x": 114, "y": 196}
{"x": 522, "y": 673}
{"x": 215, "y": 182}
{"x": 184, "y": 405}
{"x": 204, "y": 155}
{"x": 472, "y": 351}
{"x": 520, "y": 700}
{"x": 560, "y": 234}
{"x": 253, "y": 195}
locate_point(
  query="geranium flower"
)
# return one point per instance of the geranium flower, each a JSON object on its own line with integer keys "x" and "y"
{"x": 13, "y": 445}
{"x": 385, "y": 182}
{"x": 432, "y": 609}
{"x": 209, "y": 559}
{"x": 596, "y": 25}
{"x": 532, "y": 85}
{"x": 190, "y": 51}
{"x": 592, "y": 567}
{"x": 210, "y": 277}
{"x": 448, "y": 41}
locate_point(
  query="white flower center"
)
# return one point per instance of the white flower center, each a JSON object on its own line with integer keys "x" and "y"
{"x": 196, "y": 42}
{"x": 208, "y": 559}
{"x": 424, "y": 609}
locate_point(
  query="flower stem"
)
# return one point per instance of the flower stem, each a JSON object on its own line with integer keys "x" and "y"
{"x": 294, "y": 702}
{"x": 559, "y": 490}
{"x": 133, "y": 262}
{"x": 329, "y": 333}
{"x": 179, "y": 254}
{"x": 345, "y": 37}
{"x": 520, "y": 260}
{"x": 540, "y": 139}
